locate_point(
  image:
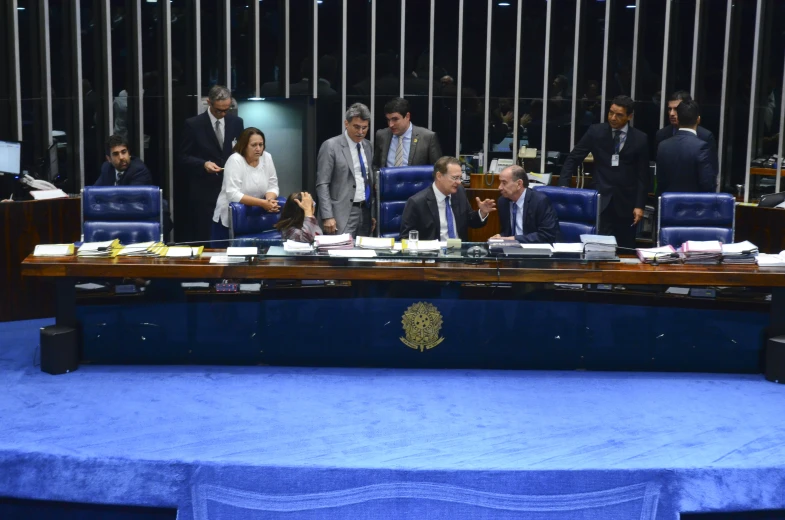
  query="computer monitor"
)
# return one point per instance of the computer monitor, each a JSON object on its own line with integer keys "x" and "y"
{"x": 10, "y": 158}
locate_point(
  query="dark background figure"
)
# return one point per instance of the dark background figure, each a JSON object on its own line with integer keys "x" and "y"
{"x": 672, "y": 128}
{"x": 121, "y": 168}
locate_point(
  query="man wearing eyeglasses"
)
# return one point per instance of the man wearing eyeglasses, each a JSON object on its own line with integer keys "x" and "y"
{"x": 206, "y": 145}
{"x": 441, "y": 210}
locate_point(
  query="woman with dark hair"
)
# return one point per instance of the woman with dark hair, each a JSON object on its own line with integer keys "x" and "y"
{"x": 249, "y": 178}
{"x": 297, "y": 218}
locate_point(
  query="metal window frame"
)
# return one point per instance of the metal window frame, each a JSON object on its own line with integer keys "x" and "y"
{"x": 460, "y": 80}
{"x": 257, "y": 52}
{"x": 635, "y": 37}
{"x": 489, "y": 24}
{"x": 695, "y": 46}
{"x": 782, "y": 131}
{"x": 344, "y": 35}
{"x": 605, "y": 44}
{"x": 373, "y": 68}
{"x": 286, "y": 51}
{"x": 665, "y": 49}
{"x": 430, "y": 63}
{"x": 753, "y": 98}
{"x": 107, "y": 56}
{"x": 16, "y": 86}
{"x": 139, "y": 74}
{"x": 46, "y": 70}
{"x": 227, "y": 41}
{"x": 168, "y": 134}
{"x": 545, "y": 83}
{"x": 402, "y": 53}
{"x": 517, "y": 87}
{"x": 723, "y": 95}
{"x": 575, "y": 64}
{"x": 198, "y": 47}
{"x": 76, "y": 34}
{"x": 315, "y": 77}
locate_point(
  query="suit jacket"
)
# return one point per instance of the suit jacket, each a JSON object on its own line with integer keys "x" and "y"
{"x": 421, "y": 213}
{"x": 684, "y": 164}
{"x": 424, "y": 147}
{"x": 540, "y": 223}
{"x": 666, "y": 133}
{"x": 335, "y": 183}
{"x": 625, "y": 187}
{"x": 137, "y": 174}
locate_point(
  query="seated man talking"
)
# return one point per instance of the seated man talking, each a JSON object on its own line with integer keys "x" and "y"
{"x": 525, "y": 215}
{"x": 441, "y": 210}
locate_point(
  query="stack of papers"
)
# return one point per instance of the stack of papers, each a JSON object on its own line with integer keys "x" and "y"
{"x": 422, "y": 246}
{"x": 574, "y": 250}
{"x": 53, "y": 250}
{"x": 766, "y": 260}
{"x": 599, "y": 247}
{"x": 108, "y": 249}
{"x": 182, "y": 252}
{"x": 328, "y": 242}
{"x": 149, "y": 249}
{"x": 659, "y": 255}
{"x": 707, "y": 252}
{"x": 528, "y": 250}
{"x": 355, "y": 253}
{"x": 242, "y": 251}
{"x": 290, "y": 246}
{"x": 375, "y": 243}
{"x": 739, "y": 253}
{"x": 224, "y": 259}
{"x": 496, "y": 245}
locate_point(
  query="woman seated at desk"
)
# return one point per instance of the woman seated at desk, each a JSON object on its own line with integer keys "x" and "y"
{"x": 249, "y": 178}
{"x": 297, "y": 218}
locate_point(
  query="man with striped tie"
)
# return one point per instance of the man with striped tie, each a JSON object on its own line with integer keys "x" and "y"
{"x": 441, "y": 210}
{"x": 402, "y": 143}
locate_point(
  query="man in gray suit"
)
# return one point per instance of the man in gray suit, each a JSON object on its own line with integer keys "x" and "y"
{"x": 342, "y": 177}
{"x": 402, "y": 143}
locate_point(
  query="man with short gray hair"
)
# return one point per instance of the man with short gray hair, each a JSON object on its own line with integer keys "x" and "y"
{"x": 207, "y": 143}
{"x": 343, "y": 177}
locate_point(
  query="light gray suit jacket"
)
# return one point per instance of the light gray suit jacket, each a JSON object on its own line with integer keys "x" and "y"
{"x": 335, "y": 184}
{"x": 424, "y": 149}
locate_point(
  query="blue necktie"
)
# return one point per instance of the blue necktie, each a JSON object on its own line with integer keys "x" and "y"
{"x": 450, "y": 224}
{"x": 365, "y": 176}
{"x": 514, "y": 218}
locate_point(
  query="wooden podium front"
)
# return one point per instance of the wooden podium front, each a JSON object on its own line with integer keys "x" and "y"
{"x": 478, "y": 187}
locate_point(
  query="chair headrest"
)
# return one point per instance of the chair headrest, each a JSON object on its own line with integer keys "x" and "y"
{"x": 697, "y": 210}
{"x": 572, "y": 204}
{"x": 400, "y": 183}
{"x": 121, "y": 203}
{"x": 252, "y": 220}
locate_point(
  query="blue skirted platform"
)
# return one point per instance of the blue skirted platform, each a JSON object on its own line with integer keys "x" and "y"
{"x": 314, "y": 443}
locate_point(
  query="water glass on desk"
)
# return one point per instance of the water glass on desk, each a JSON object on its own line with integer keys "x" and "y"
{"x": 414, "y": 239}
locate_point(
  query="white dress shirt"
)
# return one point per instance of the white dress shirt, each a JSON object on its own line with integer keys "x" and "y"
{"x": 441, "y": 203}
{"x": 240, "y": 178}
{"x": 359, "y": 192}
{"x": 690, "y": 130}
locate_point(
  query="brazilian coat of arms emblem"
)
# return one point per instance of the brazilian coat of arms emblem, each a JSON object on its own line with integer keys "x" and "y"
{"x": 422, "y": 323}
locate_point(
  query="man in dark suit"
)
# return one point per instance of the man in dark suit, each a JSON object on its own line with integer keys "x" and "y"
{"x": 120, "y": 168}
{"x": 207, "y": 143}
{"x": 441, "y": 210}
{"x": 402, "y": 143}
{"x": 525, "y": 215}
{"x": 684, "y": 162}
{"x": 671, "y": 130}
{"x": 621, "y": 161}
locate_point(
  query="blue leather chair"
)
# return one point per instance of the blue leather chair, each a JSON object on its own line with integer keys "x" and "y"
{"x": 132, "y": 214}
{"x": 396, "y": 185}
{"x": 695, "y": 216}
{"x": 253, "y": 221}
{"x": 578, "y": 211}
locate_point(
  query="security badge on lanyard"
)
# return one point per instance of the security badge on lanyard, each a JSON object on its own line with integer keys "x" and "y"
{"x": 617, "y": 148}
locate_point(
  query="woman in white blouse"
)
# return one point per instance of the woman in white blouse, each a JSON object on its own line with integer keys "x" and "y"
{"x": 249, "y": 177}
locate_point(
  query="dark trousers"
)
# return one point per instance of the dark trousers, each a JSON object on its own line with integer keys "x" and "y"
{"x": 620, "y": 226}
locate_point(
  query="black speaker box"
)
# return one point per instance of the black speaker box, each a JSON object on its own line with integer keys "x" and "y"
{"x": 59, "y": 349}
{"x": 775, "y": 359}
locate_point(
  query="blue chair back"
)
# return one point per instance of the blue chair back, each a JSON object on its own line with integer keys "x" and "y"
{"x": 396, "y": 185}
{"x": 131, "y": 214}
{"x": 253, "y": 221}
{"x": 578, "y": 211}
{"x": 695, "y": 216}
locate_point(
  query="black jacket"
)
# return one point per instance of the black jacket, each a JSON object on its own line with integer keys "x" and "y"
{"x": 421, "y": 213}
{"x": 667, "y": 132}
{"x": 540, "y": 223}
{"x": 137, "y": 174}
{"x": 684, "y": 164}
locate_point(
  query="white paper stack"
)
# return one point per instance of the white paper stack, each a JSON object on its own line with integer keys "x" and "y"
{"x": 328, "y": 242}
{"x": 496, "y": 245}
{"x": 599, "y": 247}
{"x": 290, "y": 246}
{"x": 568, "y": 250}
{"x": 766, "y": 260}
{"x": 659, "y": 255}
{"x": 701, "y": 252}
{"x": 739, "y": 253}
{"x": 99, "y": 249}
{"x": 53, "y": 250}
{"x": 242, "y": 251}
{"x": 148, "y": 249}
{"x": 375, "y": 243}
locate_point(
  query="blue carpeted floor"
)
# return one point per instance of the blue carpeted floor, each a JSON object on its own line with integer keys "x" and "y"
{"x": 267, "y": 442}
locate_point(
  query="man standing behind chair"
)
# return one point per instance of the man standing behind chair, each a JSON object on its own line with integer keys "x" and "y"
{"x": 402, "y": 143}
{"x": 684, "y": 162}
{"x": 121, "y": 168}
{"x": 525, "y": 215}
{"x": 669, "y": 131}
{"x": 207, "y": 143}
{"x": 621, "y": 161}
{"x": 441, "y": 210}
{"x": 343, "y": 185}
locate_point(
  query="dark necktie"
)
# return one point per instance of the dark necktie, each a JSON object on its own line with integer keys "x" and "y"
{"x": 514, "y": 218}
{"x": 448, "y": 214}
{"x": 365, "y": 175}
{"x": 117, "y": 176}
{"x": 616, "y": 141}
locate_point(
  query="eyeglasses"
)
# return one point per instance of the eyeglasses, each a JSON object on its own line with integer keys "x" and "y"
{"x": 456, "y": 178}
{"x": 221, "y": 111}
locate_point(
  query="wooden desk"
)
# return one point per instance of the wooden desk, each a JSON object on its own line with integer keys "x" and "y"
{"x": 766, "y": 172}
{"x": 23, "y": 225}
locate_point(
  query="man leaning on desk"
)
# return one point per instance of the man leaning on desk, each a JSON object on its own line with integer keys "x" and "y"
{"x": 621, "y": 162}
{"x": 525, "y": 215}
{"x": 121, "y": 168}
{"x": 441, "y": 210}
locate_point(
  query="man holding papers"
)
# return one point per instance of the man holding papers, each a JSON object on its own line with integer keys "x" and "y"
{"x": 525, "y": 215}
{"x": 442, "y": 211}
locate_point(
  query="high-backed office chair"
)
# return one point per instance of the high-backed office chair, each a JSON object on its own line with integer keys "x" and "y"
{"x": 253, "y": 221}
{"x": 695, "y": 216}
{"x": 396, "y": 185}
{"x": 131, "y": 214}
{"x": 578, "y": 211}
